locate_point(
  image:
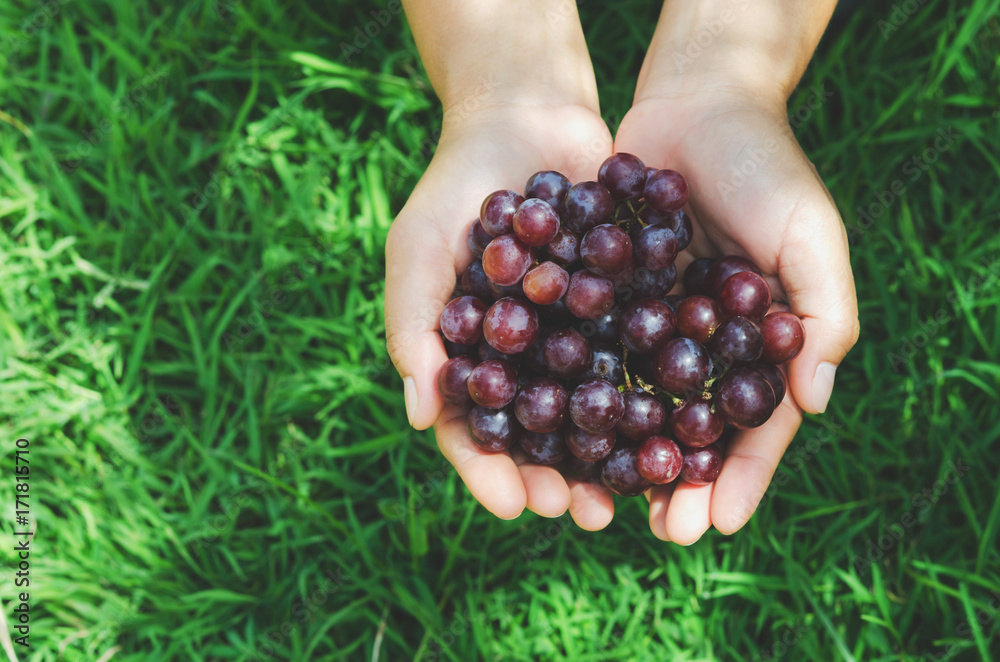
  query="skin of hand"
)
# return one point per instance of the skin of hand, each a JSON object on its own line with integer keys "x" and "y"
{"x": 753, "y": 193}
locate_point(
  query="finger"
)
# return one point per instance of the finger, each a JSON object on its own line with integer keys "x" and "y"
{"x": 688, "y": 514}
{"x": 547, "y": 492}
{"x": 659, "y": 503}
{"x": 591, "y": 505}
{"x": 750, "y": 463}
{"x": 492, "y": 478}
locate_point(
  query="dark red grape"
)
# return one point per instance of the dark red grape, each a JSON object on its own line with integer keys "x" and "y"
{"x": 453, "y": 380}
{"x": 682, "y": 366}
{"x": 694, "y": 423}
{"x": 533, "y": 358}
{"x": 694, "y": 276}
{"x": 506, "y": 260}
{"x": 606, "y": 363}
{"x": 556, "y": 314}
{"x": 644, "y": 416}
{"x": 677, "y": 221}
{"x": 701, "y": 465}
{"x": 653, "y": 284}
{"x": 541, "y": 405}
{"x": 462, "y": 320}
{"x": 475, "y": 281}
{"x": 566, "y": 353}
{"x": 493, "y": 429}
{"x": 698, "y": 317}
{"x": 784, "y": 336}
{"x": 621, "y": 472}
{"x": 737, "y": 340}
{"x": 493, "y": 384}
{"x": 586, "y": 205}
{"x": 624, "y": 175}
{"x": 603, "y": 328}
{"x": 773, "y": 377}
{"x": 590, "y": 446}
{"x": 510, "y": 325}
{"x": 655, "y": 248}
{"x": 606, "y": 249}
{"x": 478, "y": 238}
{"x": 548, "y": 185}
{"x": 564, "y": 249}
{"x": 544, "y": 448}
{"x": 666, "y": 191}
{"x": 497, "y": 212}
{"x": 745, "y": 398}
{"x": 622, "y": 279}
{"x": 722, "y": 269}
{"x": 659, "y": 460}
{"x": 745, "y": 294}
{"x": 645, "y": 325}
{"x": 536, "y": 222}
{"x": 576, "y": 469}
{"x": 545, "y": 284}
{"x": 596, "y": 406}
{"x": 589, "y": 296}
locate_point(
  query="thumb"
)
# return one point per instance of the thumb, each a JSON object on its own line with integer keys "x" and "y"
{"x": 815, "y": 272}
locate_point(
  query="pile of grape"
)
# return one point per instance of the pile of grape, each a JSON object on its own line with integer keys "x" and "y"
{"x": 564, "y": 340}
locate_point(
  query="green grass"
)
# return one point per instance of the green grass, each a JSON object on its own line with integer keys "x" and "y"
{"x": 191, "y": 339}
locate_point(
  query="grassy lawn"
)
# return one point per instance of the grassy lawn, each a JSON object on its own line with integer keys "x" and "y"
{"x": 194, "y": 200}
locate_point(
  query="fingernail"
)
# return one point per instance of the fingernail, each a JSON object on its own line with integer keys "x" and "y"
{"x": 410, "y": 396}
{"x": 823, "y": 385}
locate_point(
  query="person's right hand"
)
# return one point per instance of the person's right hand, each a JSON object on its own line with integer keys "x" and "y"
{"x": 496, "y": 147}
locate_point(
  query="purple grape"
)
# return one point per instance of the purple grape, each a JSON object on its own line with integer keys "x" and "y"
{"x": 645, "y": 325}
{"x": 502, "y": 291}
{"x": 737, "y": 340}
{"x": 548, "y": 185}
{"x": 624, "y": 175}
{"x": 541, "y": 405}
{"x": 462, "y": 320}
{"x": 745, "y": 294}
{"x": 676, "y": 221}
{"x": 590, "y": 446}
{"x": 510, "y": 325}
{"x": 644, "y": 416}
{"x": 453, "y": 381}
{"x": 694, "y": 423}
{"x": 621, "y": 472}
{"x": 576, "y": 469}
{"x": 674, "y": 301}
{"x": 475, "y": 282}
{"x": 698, "y": 317}
{"x": 596, "y": 406}
{"x": 655, "y": 248}
{"x": 606, "y": 363}
{"x": 603, "y": 328}
{"x": 497, "y": 212}
{"x": 536, "y": 222}
{"x": 784, "y": 336}
{"x": 773, "y": 377}
{"x": 564, "y": 249}
{"x": 694, "y": 276}
{"x": 545, "y": 284}
{"x": 722, "y": 269}
{"x": 653, "y": 284}
{"x": 492, "y": 384}
{"x": 666, "y": 191}
{"x": 544, "y": 448}
{"x": 701, "y": 465}
{"x": 566, "y": 353}
{"x": 586, "y": 205}
{"x": 478, "y": 238}
{"x": 589, "y": 296}
{"x": 659, "y": 460}
{"x": 745, "y": 398}
{"x": 493, "y": 429}
{"x": 682, "y": 366}
{"x": 506, "y": 260}
{"x": 606, "y": 250}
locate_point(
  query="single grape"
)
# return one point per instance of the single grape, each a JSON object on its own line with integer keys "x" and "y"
{"x": 694, "y": 276}
{"x": 682, "y": 366}
{"x": 564, "y": 249}
{"x": 653, "y": 284}
{"x": 655, "y": 248}
{"x": 488, "y": 352}
{"x": 566, "y": 353}
{"x": 606, "y": 363}
{"x": 478, "y": 238}
{"x": 737, "y": 340}
{"x": 506, "y": 260}
{"x": 645, "y": 325}
{"x": 773, "y": 376}
{"x": 453, "y": 380}
{"x": 510, "y": 325}
{"x": 659, "y": 460}
{"x": 586, "y": 205}
{"x": 545, "y": 448}
{"x": 624, "y": 175}
{"x": 603, "y": 328}
{"x": 677, "y": 221}
{"x": 698, "y": 317}
{"x": 493, "y": 384}
{"x": 541, "y": 405}
{"x": 694, "y": 423}
{"x": 536, "y": 222}
{"x": 590, "y": 446}
{"x": 574, "y": 468}
{"x": 621, "y": 472}
{"x": 596, "y": 406}
{"x": 493, "y": 429}
{"x": 545, "y": 284}
{"x": 745, "y": 398}
{"x": 462, "y": 320}
{"x": 745, "y": 294}
{"x": 784, "y": 336}
{"x": 622, "y": 279}
{"x": 666, "y": 191}
{"x": 548, "y": 185}
{"x": 497, "y": 212}
{"x": 644, "y": 416}
{"x": 589, "y": 296}
{"x": 701, "y": 465}
{"x": 475, "y": 282}
{"x": 606, "y": 249}
{"x": 722, "y": 269}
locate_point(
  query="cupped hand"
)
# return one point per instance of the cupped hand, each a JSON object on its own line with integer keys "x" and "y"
{"x": 498, "y": 147}
{"x": 753, "y": 193}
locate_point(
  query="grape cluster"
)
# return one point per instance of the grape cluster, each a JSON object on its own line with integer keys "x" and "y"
{"x": 564, "y": 339}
